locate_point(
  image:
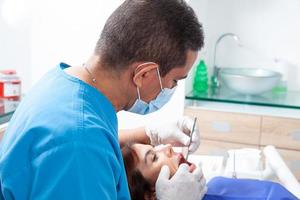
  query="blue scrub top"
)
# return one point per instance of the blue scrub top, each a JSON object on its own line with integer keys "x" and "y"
{"x": 62, "y": 143}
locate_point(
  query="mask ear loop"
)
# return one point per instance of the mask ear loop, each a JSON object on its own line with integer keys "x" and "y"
{"x": 137, "y": 88}
{"x": 138, "y": 93}
{"x": 159, "y": 78}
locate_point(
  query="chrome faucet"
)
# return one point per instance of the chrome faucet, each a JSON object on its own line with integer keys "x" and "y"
{"x": 215, "y": 68}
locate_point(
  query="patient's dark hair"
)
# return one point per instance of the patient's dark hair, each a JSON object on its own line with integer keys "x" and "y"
{"x": 160, "y": 31}
{"x": 140, "y": 188}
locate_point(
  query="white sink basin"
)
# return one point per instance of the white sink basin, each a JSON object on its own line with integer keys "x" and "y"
{"x": 249, "y": 81}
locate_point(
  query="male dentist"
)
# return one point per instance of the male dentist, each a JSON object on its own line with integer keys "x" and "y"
{"x": 63, "y": 142}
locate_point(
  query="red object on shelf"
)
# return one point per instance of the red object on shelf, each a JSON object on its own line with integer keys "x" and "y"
{"x": 10, "y": 85}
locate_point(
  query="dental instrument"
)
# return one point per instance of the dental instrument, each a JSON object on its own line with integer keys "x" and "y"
{"x": 195, "y": 120}
{"x": 234, "y": 171}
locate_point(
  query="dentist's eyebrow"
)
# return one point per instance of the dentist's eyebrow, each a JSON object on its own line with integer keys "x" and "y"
{"x": 147, "y": 154}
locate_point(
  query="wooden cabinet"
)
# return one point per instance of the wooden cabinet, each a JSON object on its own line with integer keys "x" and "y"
{"x": 228, "y": 127}
{"x": 218, "y": 148}
{"x": 221, "y": 131}
{"x": 292, "y": 159}
{"x": 281, "y": 132}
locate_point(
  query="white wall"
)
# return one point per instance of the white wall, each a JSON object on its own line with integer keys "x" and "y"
{"x": 36, "y": 35}
{"x": 66, "y": 30}
{"x": 270, "y": 28}
{"x": 15, "y": 44}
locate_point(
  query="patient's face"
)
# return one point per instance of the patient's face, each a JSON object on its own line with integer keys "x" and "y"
{"x": 151, "y": 159}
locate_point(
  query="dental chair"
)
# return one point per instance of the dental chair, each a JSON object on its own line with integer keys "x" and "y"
{"x": 264, "y": 164}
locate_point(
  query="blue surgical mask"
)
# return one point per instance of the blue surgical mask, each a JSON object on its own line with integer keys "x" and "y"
{"x": 143, "y": 108}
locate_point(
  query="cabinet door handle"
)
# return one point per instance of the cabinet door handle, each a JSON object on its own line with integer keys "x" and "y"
{"x": 221, "y": 127}
{"x": 296, "y": 135}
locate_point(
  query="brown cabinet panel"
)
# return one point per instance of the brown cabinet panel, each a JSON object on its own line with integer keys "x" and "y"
{"x": 281, "y": 132}
{"x": 218, "y": 148}
{"x": 221, "y": 131}
{"x": 292, "y": 159}
{"x": 228, "y": 127}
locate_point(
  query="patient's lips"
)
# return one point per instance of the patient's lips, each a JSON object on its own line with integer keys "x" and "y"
{"x": 181, "y": 158}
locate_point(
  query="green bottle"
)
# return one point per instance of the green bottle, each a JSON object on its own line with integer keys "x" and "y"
{"x": 200, "y": 84}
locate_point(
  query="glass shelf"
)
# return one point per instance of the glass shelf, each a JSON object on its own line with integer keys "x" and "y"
{"x": 7, "y": 109}
{"x": 288, "y": 99}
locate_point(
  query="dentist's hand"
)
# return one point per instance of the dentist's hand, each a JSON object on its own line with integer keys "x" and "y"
{"x": 175, "y": 133}
{"x": 183, "y": 185}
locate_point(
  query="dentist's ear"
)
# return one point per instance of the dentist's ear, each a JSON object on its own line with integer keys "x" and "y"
{"x": 142, "y": 71}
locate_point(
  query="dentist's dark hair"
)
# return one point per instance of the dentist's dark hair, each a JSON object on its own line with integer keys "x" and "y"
{"x": 160, "y": 31}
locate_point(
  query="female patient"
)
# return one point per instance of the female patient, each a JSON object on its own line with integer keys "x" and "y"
{"x": 143, "y": 164}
